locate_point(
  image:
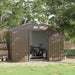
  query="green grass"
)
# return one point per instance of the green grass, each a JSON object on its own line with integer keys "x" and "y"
{"x": 60, "y": 69}
{"x": 70, "y": 52}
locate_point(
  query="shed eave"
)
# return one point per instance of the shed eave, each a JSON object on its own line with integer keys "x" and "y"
{"x": 23, "y": 25}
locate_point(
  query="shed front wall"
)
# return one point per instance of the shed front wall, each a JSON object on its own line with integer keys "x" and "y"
{"x": 19, "y": 45}
{"x": 56, "y": 46}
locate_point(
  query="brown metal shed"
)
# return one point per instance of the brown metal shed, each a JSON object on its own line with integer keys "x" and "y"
{"x": 19, "y": 43}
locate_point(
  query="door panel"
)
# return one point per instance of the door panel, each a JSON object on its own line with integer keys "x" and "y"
{"x": 56, "y": 51}
{"x": 19, "y": 50}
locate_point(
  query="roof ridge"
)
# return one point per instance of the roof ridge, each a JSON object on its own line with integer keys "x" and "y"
{"x": 20, "y": 26}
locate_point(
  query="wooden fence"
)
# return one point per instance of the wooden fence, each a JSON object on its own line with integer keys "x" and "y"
{"x": 3, "y": 53}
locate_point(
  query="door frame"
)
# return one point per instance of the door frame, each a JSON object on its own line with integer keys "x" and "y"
{"x": 29, "y": 43}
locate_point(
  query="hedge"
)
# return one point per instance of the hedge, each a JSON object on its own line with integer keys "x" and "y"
{"x": 70, "y": 52}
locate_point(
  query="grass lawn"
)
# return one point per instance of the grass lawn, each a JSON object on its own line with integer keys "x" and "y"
{"x": 60, "y": 69}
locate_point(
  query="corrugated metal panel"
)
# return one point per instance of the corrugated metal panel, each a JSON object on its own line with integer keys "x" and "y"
{"x": 19, "y": 45}
{"x": 56, "y": 51}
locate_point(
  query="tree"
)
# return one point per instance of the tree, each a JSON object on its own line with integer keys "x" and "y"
{"x": 4, "y": 6}
{"x": 57, "y": 13}
{"x": 21, "y": 12}
{"x": 11, "y": 13}
{"x": 64, "y": 16}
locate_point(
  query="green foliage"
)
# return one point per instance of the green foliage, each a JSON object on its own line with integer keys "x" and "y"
{"x": 17, "y": 13}
{"x": 70, "y": 52}
{"x": 21, "y": 12}
{"x": 4, "y": 48}
{"x": 64, "y": 11}
{"x": 52, "y": 69}
{"x": 11, "y": 14}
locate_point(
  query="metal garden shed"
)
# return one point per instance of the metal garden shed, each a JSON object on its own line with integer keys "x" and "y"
{"x": 20, "y": 38}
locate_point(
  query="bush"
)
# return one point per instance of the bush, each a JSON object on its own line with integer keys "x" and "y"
{"x": 3, "y": 41}
{"x": 4, "y": 48}
{"x": 70, "y": 52}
